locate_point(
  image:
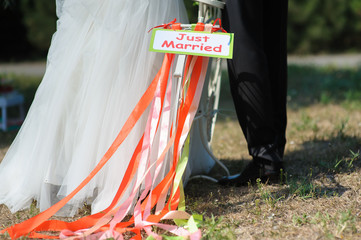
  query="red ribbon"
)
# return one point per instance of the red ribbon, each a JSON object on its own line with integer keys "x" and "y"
{"x": 165, "y": 26}
{"x": 32, "y": 226}
{"x": 215, "y": 29}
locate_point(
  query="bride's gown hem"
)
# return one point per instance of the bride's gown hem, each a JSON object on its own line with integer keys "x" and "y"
{"x": 98, "y": 68}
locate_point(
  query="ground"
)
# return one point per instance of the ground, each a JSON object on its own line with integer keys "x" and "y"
{"x": 319, "y": 195}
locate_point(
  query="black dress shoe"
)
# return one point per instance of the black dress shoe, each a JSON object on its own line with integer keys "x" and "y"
{"x": 257, "y": 168}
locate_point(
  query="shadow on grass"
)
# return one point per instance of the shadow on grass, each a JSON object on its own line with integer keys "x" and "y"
{"x": 310, "y": 173}
{"x": 334, "y": 155}
{"x": 311, "y": 170}
{"x": 308, "y": 85}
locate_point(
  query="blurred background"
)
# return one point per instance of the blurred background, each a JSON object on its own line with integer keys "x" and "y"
{"x": 322, "y": 159}
{"x": 320, "y": 33}
{"x": 26, "y": 28}
{"x": 314, "y": 27}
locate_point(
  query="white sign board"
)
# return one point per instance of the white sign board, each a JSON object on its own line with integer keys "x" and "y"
{"x": 192, "y": 43}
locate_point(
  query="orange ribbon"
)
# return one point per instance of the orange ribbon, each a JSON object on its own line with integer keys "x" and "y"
{"x": 34, "y": 225}
{"x": 31, "y": 224}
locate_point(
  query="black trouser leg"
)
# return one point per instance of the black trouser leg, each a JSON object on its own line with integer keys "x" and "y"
{"x": 258, "y": 72}
{"x": 275, "y": 45}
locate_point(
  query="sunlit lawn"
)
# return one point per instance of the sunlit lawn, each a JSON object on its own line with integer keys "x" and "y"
{"x": 319, "y": 196}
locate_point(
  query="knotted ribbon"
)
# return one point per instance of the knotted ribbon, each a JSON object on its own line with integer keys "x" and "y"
{"x": 140, "y": 170}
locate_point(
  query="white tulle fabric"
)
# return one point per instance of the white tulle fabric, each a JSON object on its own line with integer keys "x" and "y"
{"x": 98, "y": 68}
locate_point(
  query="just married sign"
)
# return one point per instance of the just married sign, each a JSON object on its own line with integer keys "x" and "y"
{"x": 192, "y": 43}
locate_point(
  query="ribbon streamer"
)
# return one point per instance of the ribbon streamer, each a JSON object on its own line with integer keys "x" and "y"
{"x": 141, "y": 170}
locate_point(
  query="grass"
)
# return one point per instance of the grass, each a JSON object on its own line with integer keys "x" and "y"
{"x": 319, "y": 195}
{"x": 27, "y": 86}
{"x": 324, "y": 85}
{"x": 341, "y": 224}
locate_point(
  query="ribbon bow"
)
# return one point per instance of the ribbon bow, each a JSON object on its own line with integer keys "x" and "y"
{"x": 215, "y": 29}
{"x": 165, "y": 25}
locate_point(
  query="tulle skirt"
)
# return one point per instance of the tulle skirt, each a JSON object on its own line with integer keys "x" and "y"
{"x": 98, "y": 68}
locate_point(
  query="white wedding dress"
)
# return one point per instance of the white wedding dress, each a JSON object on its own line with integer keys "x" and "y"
{"x": 98, "y": 68}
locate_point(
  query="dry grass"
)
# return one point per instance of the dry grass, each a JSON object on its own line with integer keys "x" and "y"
{"x": 316, "y": 200}
{"x": 320, "y": 194}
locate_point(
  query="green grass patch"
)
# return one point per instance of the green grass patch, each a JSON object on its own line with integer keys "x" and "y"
{"x": 308, "y": 85}
{"x": 27, "y": 85}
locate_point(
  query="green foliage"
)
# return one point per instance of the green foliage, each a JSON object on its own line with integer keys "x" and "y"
{"x": 316, "y": 26}
{"x": 13, "y": 40}
{"x": 192, "y": 10}
{"x": 26, "y": 27}
{"x": 40, "y": 21}
{"x": 7, "y": 3}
